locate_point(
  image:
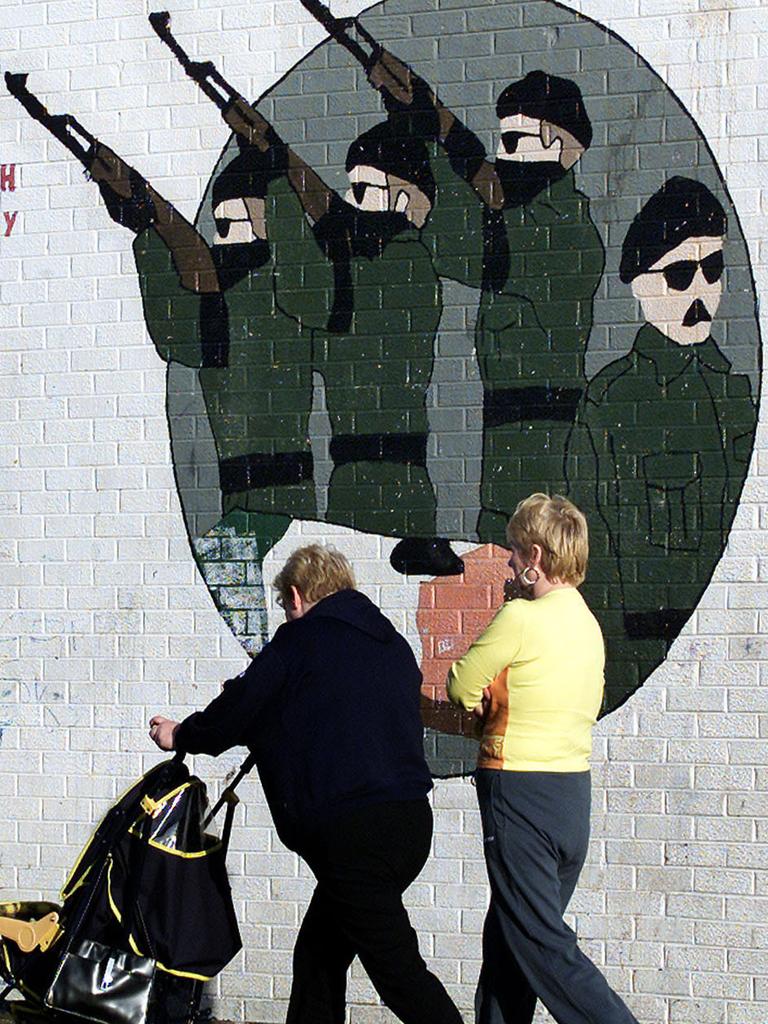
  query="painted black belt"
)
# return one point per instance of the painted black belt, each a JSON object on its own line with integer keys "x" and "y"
{"x": 248, "y": 472}
{"x": 662, "y": 624}
{"x": 519, "y": 405}
{"x": 214, "y": 331}
{"x": 409, "y": 449}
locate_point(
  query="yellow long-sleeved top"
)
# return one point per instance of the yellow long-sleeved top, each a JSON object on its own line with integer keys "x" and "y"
{"x": 543, "y": 661}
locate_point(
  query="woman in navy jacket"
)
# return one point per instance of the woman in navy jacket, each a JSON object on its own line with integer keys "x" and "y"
{"x": 330, "y": 708}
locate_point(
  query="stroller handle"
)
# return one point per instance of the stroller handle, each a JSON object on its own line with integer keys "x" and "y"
{"x": 28, "y": 935}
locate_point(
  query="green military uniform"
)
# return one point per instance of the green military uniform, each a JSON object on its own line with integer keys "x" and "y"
{"x": 657, "y": 460}
{"x": 256, "y": 378}
{"x": 532, "y": 330}
{"x": 377, "y": 367}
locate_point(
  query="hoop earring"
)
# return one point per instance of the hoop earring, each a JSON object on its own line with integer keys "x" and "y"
{"x": 524, "y": 576}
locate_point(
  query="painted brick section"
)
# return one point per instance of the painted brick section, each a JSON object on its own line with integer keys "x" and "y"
{"x": 105, "y": 620}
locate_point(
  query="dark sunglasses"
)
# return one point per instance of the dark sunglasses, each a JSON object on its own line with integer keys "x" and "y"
{"x": 359, "y": 189}
{"x": 680, "y": 275}
{"x": 511, "y": 140}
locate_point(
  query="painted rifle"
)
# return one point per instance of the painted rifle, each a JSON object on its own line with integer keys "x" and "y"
{"x": 338, "y": 29}
{"x": 130, "y": 199}
{"x": 249, "y": 125}
{"x": 409, "y": 99}
{"x": 399, "y": 74}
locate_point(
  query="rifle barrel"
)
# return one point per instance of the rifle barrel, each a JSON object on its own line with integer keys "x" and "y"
{"x": 161, "y": 23}
{"x": 336, "y": 30}
{"x": 17, "y": 87}
{"x": 198, "y": 71}
{"x": 57, "y": 124}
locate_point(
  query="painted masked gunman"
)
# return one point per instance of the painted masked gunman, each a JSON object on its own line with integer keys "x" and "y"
{"x": 254, "y": 366}
{"x": 212, "y": 307}
{"x": 361, "y": 277}
{"x": 543, "y": 131}
{"x": 662, "y": 441}
{"x": 535, "y": 319}
{"x": 519, "y": 229}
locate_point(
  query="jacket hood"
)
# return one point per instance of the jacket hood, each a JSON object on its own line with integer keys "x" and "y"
{"x": 356, "y": 610}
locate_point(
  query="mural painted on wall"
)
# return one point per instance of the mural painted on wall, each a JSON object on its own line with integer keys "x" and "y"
{"x": 459, "y": 253}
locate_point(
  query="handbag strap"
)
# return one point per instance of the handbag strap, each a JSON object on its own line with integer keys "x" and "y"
{"x": 138, "y": 856}
{"x": 228, "y": 797}
{"x": 229, "y": 817}
{"x": 75, "y": 929}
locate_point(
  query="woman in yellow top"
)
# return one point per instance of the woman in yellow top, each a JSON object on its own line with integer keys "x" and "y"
{"x": 536, "y": 677}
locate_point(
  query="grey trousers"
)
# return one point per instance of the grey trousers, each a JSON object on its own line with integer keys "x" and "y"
{"x": 536, "y": 832}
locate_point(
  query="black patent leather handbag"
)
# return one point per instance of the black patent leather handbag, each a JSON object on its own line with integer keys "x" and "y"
{"x": 102, "y": 984}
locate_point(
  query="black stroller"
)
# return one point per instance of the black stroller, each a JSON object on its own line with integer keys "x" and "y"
{"x": 146, "y": 916}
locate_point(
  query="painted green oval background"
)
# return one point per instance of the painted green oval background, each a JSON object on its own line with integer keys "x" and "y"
{"x": 469, "y": 51}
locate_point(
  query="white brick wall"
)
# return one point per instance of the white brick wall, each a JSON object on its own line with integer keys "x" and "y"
{"x": 103, "y": 619}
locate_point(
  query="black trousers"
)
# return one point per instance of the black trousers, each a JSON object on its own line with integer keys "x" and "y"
{"x": 536, "y": 833}
{"x": 363, "y": 863}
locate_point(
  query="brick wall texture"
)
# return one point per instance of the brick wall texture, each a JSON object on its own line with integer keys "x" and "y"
{"x": 104, "y": 617}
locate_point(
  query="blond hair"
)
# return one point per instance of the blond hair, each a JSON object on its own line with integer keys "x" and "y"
{"x": 560, "y": 530}
{"x": 316, "y": 572}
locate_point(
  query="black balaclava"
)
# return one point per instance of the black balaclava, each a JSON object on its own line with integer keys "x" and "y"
{"x": 395, "y": 153}
{"x": 248, "y": 175}
{"x": 682, "y": 208}
{"x": 392, "y": 153}
{"x": 521, "y": 181}
{"x": 346, "y": 231}
{"x": 546, "y": 98}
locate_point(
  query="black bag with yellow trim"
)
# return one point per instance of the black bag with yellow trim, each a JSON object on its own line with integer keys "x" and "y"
{"x": 146, "y": 915}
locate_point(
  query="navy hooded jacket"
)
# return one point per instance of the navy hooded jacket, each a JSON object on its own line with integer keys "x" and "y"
{"x": 330, "y": 708}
